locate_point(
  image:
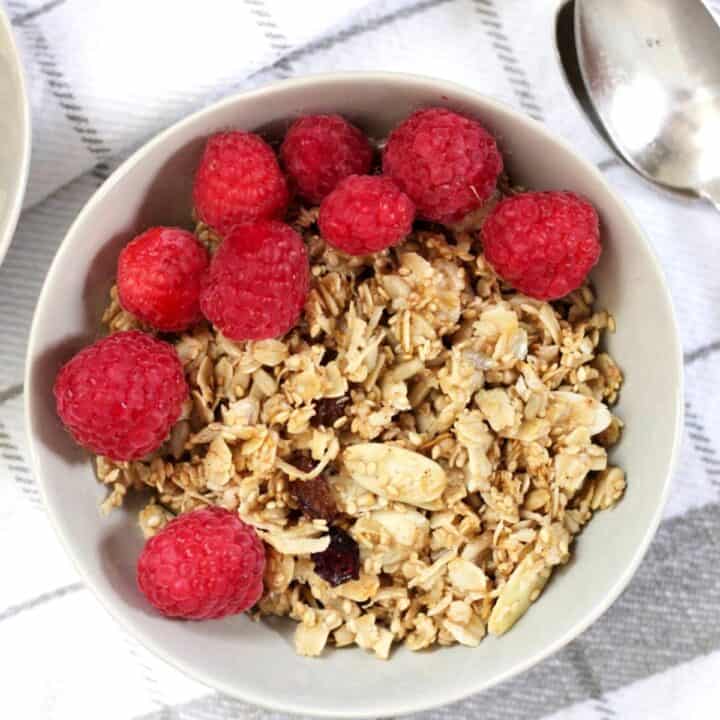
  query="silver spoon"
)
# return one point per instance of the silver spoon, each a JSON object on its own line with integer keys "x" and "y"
{"x": 652, "y": 72}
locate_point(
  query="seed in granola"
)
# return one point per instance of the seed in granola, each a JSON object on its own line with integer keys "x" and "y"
{"x": 329, "y": 410}
{"x": 315, "y": 498}
{"x": 341, "y": 561}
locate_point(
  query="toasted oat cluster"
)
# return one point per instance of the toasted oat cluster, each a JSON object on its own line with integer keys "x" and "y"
{"x": 451, "y": 432}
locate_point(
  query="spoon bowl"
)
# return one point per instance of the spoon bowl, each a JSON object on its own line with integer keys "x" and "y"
{"x": 652, "y": 72}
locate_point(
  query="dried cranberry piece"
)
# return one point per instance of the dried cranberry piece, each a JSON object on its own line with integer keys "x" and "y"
{"x": 329, "y": 355}
{"x": 341, "y": 561}
{"x": 302, "y": 461}
{"x": 329, "y": 410}
{"x": 315, "y": 498}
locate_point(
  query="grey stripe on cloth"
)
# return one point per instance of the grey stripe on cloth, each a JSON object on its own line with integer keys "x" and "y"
{"x": 59, "y": 87}
{"x": 268, "y": 25}
{"x": 492, "y": 24}
{"x": 702, "y": 352}
{"x": 11, "y": 392}
{"x": 667, "y": 616}
{"x": 24, "y": 17}
{"x": 19, "y": 471}
{"x": 610, "y": 162}
{"x": 273, "y": 34}
{"x": 702, "y": 445}
{"x": 35, "y": 602}
{"x": 357, "y": 29}
{"x": 102, "y": 171}
{"x": 588, "y": 679}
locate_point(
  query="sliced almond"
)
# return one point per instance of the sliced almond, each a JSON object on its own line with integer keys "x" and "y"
{"x": 360, "y": 590}
{"x": 469, "y": 634}
{"x": 572, "y": 409}
{"x": 395, "y": 473}
{"x": 406, "y": 528}
{"x": 218, "y": 463}
{"x": 289, "y": 545}
{"x": 523, "y": 587}
{"x": 466, "y": 576}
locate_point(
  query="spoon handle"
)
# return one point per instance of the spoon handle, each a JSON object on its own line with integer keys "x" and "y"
{"x": 711, "y": 191}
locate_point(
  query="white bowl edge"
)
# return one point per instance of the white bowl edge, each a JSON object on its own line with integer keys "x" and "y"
{"x": 110, "y": 601}
{"x": 13, "y": 212}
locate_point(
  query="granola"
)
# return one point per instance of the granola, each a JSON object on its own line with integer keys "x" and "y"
{"x": 455, "y": 429}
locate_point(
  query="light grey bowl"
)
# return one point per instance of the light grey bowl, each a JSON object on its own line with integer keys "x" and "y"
{"x": 256, "y": 661}
{"x": 15, "y": 134}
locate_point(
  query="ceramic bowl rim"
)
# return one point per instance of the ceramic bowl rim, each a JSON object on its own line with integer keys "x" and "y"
{"x": 420, "y": 702}
{"x": 13, "y": 212}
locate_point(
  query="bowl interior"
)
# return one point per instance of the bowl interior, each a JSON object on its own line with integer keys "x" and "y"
{"x": 256, "y": 661}
{"x": 15, "y": 133}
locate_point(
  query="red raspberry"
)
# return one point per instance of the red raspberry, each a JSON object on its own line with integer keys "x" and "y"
{"x": 366, "y": 214}
{"x": 258, "y": 282}
{"x": 447, "y": 163}
{"x": 205, "y": 564}
{"x": 542, "y": 243}
{"x": 320, "y": 150}
{"x": 120, "y": 396}
{"x": 238, "y": 181}
{"x": 159, "y": 276}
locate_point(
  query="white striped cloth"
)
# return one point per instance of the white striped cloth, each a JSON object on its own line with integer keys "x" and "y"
{"x": 103, "y": 77}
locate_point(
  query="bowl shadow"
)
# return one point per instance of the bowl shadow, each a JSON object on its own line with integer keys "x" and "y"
{"x": 49, "y": 429}
{"x": 117, "y": 543}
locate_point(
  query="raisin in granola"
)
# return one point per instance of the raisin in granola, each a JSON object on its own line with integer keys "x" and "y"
{"x": 315, "y": 498}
